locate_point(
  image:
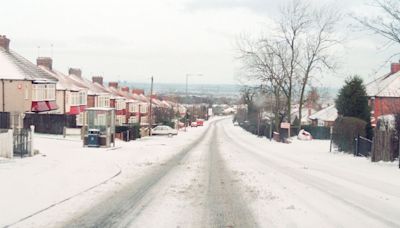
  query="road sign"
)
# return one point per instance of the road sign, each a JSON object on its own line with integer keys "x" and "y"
{"x": 285, "y": 125}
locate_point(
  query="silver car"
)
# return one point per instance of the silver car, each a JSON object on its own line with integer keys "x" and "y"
{"x": 164, "y": 130}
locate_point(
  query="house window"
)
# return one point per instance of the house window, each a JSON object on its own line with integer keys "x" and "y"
{"x": 82, "y": 100}
{"x": 50, "y": 91}
{"x": 120, "y": 120}
{"x": 38, "y": 92}
{"x": 81, "y": 119}
{"x": 133, "y": 107}
{"x": 120, "y": 104}
{"x": 143, "y": 108}
{"x": 103, "y": 101}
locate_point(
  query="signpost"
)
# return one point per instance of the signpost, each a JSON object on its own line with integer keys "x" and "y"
{"x": 286, "y": 125}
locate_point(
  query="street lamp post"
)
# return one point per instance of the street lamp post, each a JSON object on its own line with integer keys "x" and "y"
{"x": 187, "y": 97}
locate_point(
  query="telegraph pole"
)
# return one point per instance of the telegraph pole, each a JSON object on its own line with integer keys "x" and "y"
{"x": 150, "y": 109}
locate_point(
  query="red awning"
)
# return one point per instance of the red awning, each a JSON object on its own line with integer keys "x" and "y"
{"x": 39, "y": 106}
{"x": 52, "y": 105}
{"x": 74, "y": 110}
{"x": 83, "y": 108}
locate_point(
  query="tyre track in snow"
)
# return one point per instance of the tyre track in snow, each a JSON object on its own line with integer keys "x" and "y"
{"x": 226, "y": 208}
{"x": 322, "y": 185}
{"x": 116, "y": 211}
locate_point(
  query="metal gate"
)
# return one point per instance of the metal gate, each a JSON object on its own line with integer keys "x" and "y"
{"x": 22, "y": 142}
{"x": 363, "y": 147}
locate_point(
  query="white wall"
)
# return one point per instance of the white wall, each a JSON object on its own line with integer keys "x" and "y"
{"x": 6, "y": 144}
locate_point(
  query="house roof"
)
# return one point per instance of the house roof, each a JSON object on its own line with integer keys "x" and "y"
{"x": 15, "y": 67}
{"x": 385, "y": 86}
{"x": 64, "y": 83}
{"x": 329, "y": 113}
{"x": 82, "y": 82}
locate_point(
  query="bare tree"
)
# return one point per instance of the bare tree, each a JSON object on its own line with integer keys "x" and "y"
{"x": 285, "y": 63}
{"x": 316, "y": 54}
{"x": 387, "y": 25}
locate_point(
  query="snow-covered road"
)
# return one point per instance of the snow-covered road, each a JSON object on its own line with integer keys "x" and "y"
{"x": 226, "y": 177}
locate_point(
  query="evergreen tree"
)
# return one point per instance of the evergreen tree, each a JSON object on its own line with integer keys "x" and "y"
{"x": 352, "y": 101}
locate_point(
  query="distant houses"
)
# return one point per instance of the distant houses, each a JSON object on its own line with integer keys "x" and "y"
{"x": 26, "y": 87}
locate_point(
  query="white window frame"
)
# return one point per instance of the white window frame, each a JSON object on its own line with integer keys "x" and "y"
{"x": 143, "y": 108}
{"x": 103, "y": 101}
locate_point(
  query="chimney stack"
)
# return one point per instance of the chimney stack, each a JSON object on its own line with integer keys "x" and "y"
{"x": 45, "y": 61}
{"x": 98, "y": 79}
{"x": 113, "y": 84}
{"x": 4, "y": 42}
{"x": 138, "y": 91}
{"x": 75, "y": 71}
{"x": 125, "y": 89}
{"x": 394, "y": 68}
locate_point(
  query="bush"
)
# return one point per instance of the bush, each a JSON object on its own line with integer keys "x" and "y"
{"x": 134, "y": 131}
{"x": 318, "y": 132}
{"x": 345, "y": 130}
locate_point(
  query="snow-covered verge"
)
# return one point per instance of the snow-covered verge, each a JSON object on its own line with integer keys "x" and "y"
{"x": 302, "y": 184}
{"x": 66, "y": 176}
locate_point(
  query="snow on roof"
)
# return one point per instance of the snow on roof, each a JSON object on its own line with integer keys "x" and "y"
{"x": 64, "y": 83}
{"x": 15, "y": 67}
{"x": 327, "y": 114}
{"x": 386, "y": 86}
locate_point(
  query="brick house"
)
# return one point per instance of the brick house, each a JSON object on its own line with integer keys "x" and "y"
{"x": 24, "y": 87}
{"x": 384, "y": 94}
{"x": 71, "y": 98}
{"x": 119, "y": 102}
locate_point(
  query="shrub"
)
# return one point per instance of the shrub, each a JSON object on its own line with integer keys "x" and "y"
{"x": 345, "y": 130}
{"x": 318, "y": 132}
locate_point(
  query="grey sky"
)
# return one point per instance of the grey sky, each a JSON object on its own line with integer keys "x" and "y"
{"x": 132, "y": 40}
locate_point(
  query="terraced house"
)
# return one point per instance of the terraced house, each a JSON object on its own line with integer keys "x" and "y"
{"x": 71, "y": 98}
{"x": 23, "y": 86}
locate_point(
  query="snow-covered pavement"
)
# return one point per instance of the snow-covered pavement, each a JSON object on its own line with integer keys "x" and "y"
{"x": 65, "y": 169}
{"x": 215, "y": 176}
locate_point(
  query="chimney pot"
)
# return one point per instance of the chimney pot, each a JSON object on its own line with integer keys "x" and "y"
{"x": 5, "y": 42}
{"x": 394, "y": 68}
{"x": 138, "y": 91}
{"x": 125, "y": 89}
{"x": 113, "y": 84}
{"x": 75, "y": 71}
{"x": 45, "y": 61}
{"x": 98, "y": 79}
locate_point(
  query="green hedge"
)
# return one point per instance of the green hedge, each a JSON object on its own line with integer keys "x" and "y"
{"x": 345, "y": 130}
{"x": 318, "y": 132}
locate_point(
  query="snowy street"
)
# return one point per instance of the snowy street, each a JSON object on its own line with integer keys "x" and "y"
{"x": 214, "y": 176}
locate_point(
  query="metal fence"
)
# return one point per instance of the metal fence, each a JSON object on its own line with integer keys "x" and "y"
{"x": 363, "y": 147}
{"x": 22, "y": 142}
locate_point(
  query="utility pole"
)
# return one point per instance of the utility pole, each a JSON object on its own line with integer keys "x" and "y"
{"x": 187, "y": 97}
{"x": 150, "y": 109}
{"x": 186, "y": 113}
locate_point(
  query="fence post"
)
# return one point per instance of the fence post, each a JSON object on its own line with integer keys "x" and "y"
{"x": 330, "y": 145}
{"x": 31, "y": 138}
{"x": 357, "y": 141}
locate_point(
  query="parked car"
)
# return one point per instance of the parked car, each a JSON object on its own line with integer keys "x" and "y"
{"x": 304, "y": 135}
{"x": 193, "y": 124}
{"x": 200, "y": 122}
{"x": 164, "y": 130}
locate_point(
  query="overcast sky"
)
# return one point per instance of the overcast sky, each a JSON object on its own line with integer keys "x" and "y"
{"x": 132, "y": 40}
